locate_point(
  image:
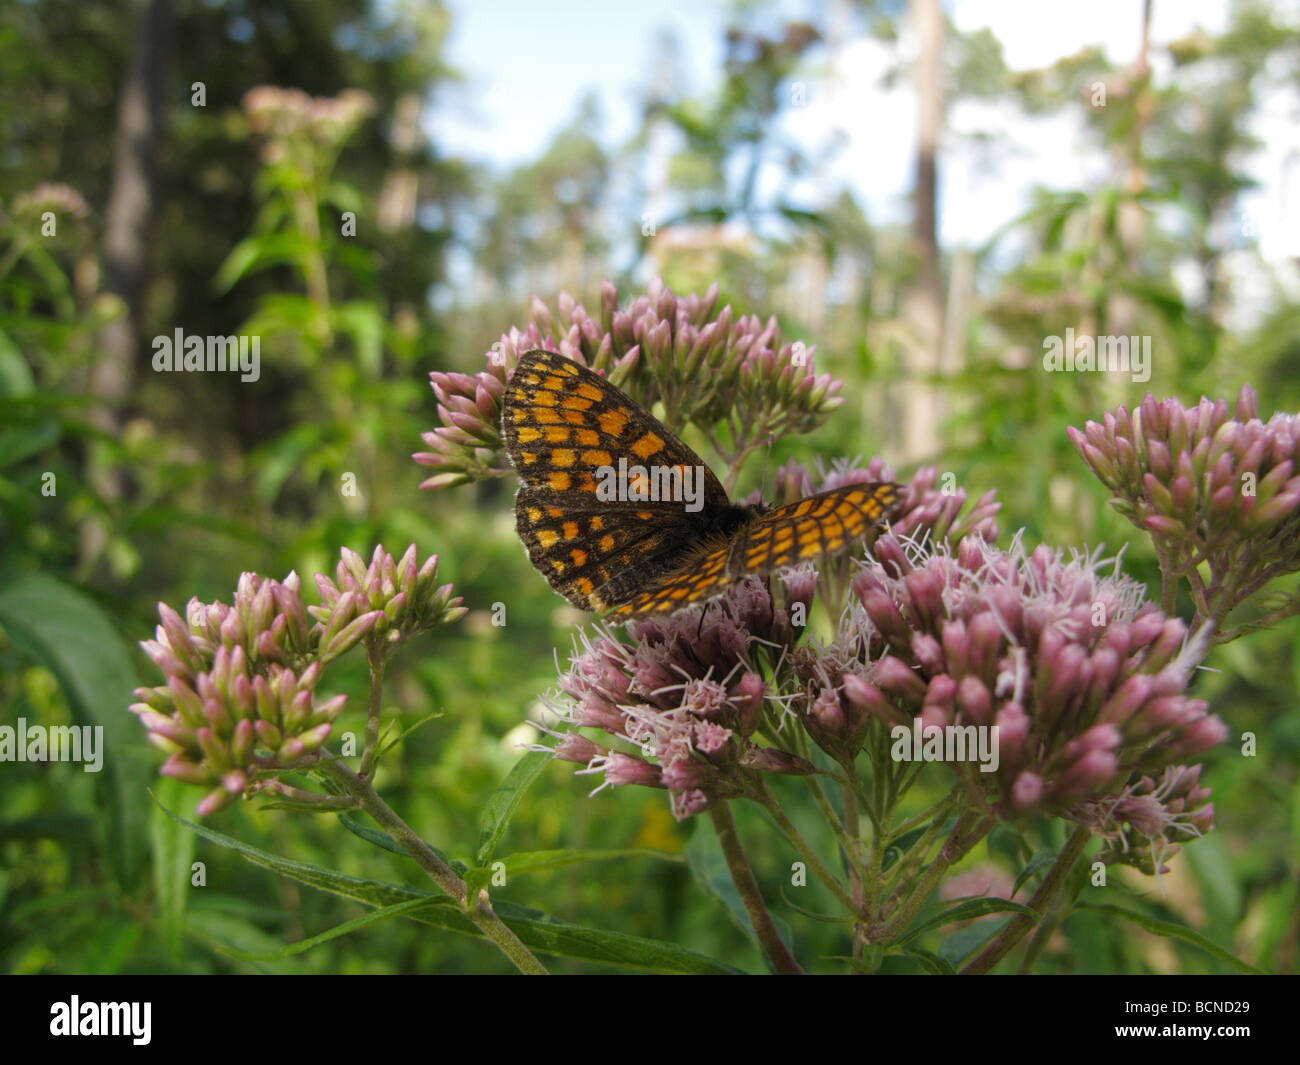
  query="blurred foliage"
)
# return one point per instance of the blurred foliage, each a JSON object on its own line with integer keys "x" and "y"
{"x": 222, "y": 477}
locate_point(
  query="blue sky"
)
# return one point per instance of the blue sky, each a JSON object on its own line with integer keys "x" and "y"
{"x": 527, "y": 66}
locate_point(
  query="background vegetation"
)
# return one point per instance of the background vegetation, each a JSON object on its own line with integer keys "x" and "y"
{"x": 168, "y": 486}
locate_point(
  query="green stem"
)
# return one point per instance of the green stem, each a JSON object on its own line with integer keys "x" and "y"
{"x": 478, "y": 910}
{"x": 968, "y": 831}
{"x": 1041, "y": 935}
{"x": 1014, "y": 930}
{"x": 853, "y": 827}
{"x": 300, "y": 798}
{"x": 370, "y": 751}
{"x": 747, "y": 886}
{"x": 765, "y": 799}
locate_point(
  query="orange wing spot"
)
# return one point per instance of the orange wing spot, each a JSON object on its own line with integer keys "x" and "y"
{"x": 570, "y": 529}
{"x": 579, "y": 557}
{"x": 807, "y": 527}
{"x": 648, "y": 445}
{"x": 547, "y": 537}
{"x": 553, "y": 383}
{"x": 585, "y": 586}
{"x": 597, "y": 523}
{"x": 519, "y": 414}
{"x": 554, "y": 512}
{"x": 597, "y": 458}
{"x": 802, "y": 509}
{"x": 542, "y": 399}
{"x": 534, "y": 515}
{"x": 527, "y": 436}
{"x": 607, "y": 543}
{"x": 835, "y": 543}
{"x": 559, "y": 566}
{"x": 532, "y": 379}
{"x": 591, "y": 392}
{"x": 645, "y": 515}
{"x": 575, "y": 417}
{"x": 542, "y": 417}
{"x": 560, "y": 481}
{"x": 612, "y": 421}
{"x": 587, "y": 437}
{"x": 557, "y": 434}
{"x": 529, "y": 457}
{"x": 575, "y": 403}
{"x": 563, "y": 456}
{"x": 679, "y": 593}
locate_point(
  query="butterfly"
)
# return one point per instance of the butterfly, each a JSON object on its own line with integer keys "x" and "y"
{"x": 620, "y": 515}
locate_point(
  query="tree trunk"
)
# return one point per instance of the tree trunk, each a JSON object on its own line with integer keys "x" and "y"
{"x": 922, "y": 308}
{"x": 126, "y": 245}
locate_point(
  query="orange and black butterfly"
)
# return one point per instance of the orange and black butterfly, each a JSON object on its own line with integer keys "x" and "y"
{"x": 621, "y": 516}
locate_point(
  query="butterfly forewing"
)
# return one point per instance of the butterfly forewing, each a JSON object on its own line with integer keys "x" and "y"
{"x": 563, "y": 424}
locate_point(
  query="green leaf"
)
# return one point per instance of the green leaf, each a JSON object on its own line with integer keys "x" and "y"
{"x": 500, "y": 808}
{"x": 67, "y": 633}
{"x": 1039, "y": 861}
{"x": 1173, "y": 930}
{"x": 173, "y": 854}
{"x": 964, "y": 910}
{"x": 22, "y": 441}
{"x": 538, "y": 931}
{"x": 260, "y": 252}
{"x": 365, "y": 324}
{"x": 384, "y": 840}
{"x": 542, "y": 861}
{"x": 900, "y": 845}
{"x": 230, "y": 935}
{"x": 930, "y": 962}
{"x": 338, "y": 930}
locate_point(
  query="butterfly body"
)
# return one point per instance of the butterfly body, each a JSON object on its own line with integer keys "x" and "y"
{"x": 566, "y": 428}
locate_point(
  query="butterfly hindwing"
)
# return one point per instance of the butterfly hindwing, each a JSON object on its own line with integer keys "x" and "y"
{"x": 811, "y": 528}
{"x": 784, "y": 536}
{"x": 582, "y": 550}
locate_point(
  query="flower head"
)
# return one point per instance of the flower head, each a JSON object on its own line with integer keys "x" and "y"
{"x": 1144, "y": 823}
{"x": 240, "y": 695}
{"x": 679, "y": 704}
{"x": 1085, "y": 682}
{"x": 239, "y": 703}
{"x": 702, "y": 365}
{"x": 1208, "y": 484}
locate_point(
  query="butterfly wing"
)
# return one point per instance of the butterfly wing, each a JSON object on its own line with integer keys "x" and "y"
{"x": 809, "y": 529}
{"x": 588, "y": 552}
{"x": 563, "y": 425}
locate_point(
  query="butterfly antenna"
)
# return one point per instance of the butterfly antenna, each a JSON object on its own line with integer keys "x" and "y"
{"x": 700, "y": 627}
